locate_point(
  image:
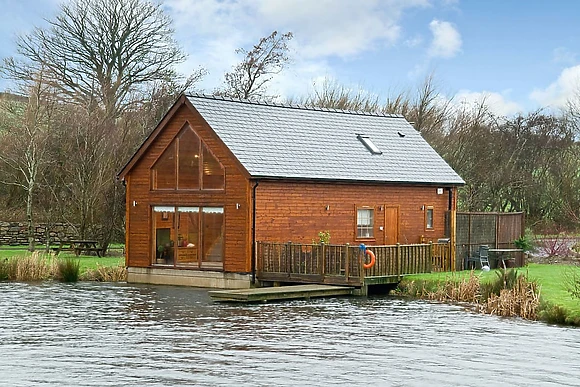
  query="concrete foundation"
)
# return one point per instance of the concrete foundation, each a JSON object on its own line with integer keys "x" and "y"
{"x": 202, "y": 279}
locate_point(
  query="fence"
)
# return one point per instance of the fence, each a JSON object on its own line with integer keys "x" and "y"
{"x": 495, "y": 229}
{"x": 343, "y": 264}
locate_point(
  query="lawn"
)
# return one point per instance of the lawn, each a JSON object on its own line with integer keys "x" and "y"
{"x": 86, "y": 261}
{"x": 550, "y": 277}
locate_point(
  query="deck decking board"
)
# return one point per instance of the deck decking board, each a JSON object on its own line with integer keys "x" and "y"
{"x": 279, "y": 293}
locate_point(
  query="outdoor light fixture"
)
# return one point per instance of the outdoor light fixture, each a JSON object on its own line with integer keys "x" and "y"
{"x": 134, "y": 203}
{"x": 327, "y": 208}
{"x": 237, "y": 206}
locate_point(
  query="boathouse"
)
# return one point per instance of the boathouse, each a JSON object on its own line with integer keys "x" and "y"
{"x": 219, "y": 175}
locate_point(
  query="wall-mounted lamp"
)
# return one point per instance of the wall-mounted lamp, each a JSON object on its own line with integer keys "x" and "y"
{"x": 381, "y": 208}
{"x": 422, "y": 208}
{"x": 439, "y": 191}
{"x": 327, "y": 208}
{"x": 237, "y": 206}
{"x": 134, "y": 203}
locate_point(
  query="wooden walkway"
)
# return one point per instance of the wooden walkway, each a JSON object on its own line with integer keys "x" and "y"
{"x": 279, "y": 293}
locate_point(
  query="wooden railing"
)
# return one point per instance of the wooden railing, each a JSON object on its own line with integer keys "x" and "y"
{"x": 343, "y": 264}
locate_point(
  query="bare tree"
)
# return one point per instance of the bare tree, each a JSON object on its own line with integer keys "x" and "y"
{"x": 249, "y": 78}
{"x": 24, "y": 134}
{"x": 103, "y": 57}
{"x": 100, "y": 52}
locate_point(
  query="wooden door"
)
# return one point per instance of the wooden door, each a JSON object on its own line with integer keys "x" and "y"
{"x": 391, "y": 225}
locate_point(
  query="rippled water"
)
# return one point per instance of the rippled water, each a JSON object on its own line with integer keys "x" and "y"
{"x": 90, "y": 334}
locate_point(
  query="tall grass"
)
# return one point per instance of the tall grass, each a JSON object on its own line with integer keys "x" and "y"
{"x": 39, "y": 267}
{"x": 32, "y": 267}
{"x": 105, "y": 274}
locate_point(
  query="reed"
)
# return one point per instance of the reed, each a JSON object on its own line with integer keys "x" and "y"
{"x": 522, "y": 299}
{"x": 105, "y": 274}
{"x": 466, "y": 290}
{"x": 30, "y": 267}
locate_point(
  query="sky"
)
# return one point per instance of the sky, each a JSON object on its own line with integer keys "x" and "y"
{"x": 518, "y": 55}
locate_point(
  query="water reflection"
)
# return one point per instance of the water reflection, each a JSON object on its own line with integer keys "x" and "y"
{"x": 109, "y": 335}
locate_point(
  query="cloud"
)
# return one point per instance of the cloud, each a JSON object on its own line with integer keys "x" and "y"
{"x": 558, "y": 93}
{"x": 563, "y": 55}
{"x": 496, "y": 102}
{"x": 446, "y": 39}
{"x": 340, "y": 28}
{"x": 211, "y": 30}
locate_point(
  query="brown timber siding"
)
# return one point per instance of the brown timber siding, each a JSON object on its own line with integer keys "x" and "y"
{"x": 237, "y": 191}
{"x": 296, "y": 211}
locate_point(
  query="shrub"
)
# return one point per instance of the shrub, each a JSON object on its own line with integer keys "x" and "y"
{"x": 4, "y": 269}
{"x": 525, "y": 242}
{"x": 572, "y": 281}
{"x": 68, "y": 269}
{"x": 552, "y": 314}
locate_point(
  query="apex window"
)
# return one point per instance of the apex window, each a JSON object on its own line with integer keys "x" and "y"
{"x": 188, "y": 164}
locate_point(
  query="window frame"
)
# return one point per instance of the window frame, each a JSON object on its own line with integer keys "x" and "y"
{"x": 370, "y": 227}
{"x": 426, "y": 222}
{"x": 175, "y": 144}
{"x": 201, "y": 263}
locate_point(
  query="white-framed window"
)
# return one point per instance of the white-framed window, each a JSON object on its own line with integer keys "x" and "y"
{"x": 429, "y": 218}
{"x": 365, "y": 222}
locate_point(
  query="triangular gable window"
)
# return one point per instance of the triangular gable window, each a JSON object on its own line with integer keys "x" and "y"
{"x": 187, "y": 164}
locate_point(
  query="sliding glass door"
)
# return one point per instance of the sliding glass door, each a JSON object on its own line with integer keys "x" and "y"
{"x": 188, "y": 236}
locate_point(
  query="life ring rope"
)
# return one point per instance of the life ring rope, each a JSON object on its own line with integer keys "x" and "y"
{"x": 373, "y": 259}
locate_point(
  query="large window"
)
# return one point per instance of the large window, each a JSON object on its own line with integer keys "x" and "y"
{"x": 365, "y": 223}
{"x": 189, "y": 236}
{"x": 188, "y": 164}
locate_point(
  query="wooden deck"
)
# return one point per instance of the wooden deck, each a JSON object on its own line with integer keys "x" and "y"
{"x": 279, "y": 293}
{"x": 343, "y": 264}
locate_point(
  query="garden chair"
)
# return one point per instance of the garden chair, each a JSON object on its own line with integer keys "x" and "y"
{"x": 484, "y": 256}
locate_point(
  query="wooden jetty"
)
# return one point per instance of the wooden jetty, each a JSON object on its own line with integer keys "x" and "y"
{"x": 280, "y": 293}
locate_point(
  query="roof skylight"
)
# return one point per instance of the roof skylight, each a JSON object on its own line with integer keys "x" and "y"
{"x": 369, "y": 144}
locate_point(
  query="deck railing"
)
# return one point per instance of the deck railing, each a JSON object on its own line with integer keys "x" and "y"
{"x": 343, "y": 264}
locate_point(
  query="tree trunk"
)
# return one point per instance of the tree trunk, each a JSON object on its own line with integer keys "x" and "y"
{"x": 30, "y": 225}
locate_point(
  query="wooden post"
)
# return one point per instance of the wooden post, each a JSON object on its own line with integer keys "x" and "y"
{"x": 453, "y": 239}
{"x": 322, "y": 261}
{"x": 398, "y": 259}
{"x": 430, "y": 257}
{"x": 346, "y": 261}
{"x": 289, "y": 259}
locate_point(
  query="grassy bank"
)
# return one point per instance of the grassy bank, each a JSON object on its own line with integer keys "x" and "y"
{"x": 19, "y": 264}
{"x": 556, "y": 304}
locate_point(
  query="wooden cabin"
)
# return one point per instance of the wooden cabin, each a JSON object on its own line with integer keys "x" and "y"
{"x": 217, "y": 175}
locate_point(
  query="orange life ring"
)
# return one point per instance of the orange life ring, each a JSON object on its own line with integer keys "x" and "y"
{"x": 372, "y": 262}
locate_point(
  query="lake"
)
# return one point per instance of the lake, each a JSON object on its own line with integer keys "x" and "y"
{"x": 94, "y": 334}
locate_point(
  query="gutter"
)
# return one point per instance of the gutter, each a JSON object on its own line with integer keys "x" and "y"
{"x": 254, "y": 232}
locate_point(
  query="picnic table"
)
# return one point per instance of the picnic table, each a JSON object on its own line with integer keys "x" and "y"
{"x": 78, "y": 246}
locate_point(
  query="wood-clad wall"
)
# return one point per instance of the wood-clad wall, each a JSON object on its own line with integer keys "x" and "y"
{"x": 237, "y": 192}
{"x": 297, "y": 211}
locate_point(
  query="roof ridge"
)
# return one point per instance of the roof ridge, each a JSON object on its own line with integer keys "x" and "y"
{"x": 293, "y": 106}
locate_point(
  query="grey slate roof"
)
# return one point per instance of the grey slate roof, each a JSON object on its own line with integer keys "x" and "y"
{"x": 284, "y": 141}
